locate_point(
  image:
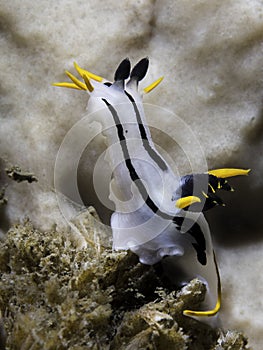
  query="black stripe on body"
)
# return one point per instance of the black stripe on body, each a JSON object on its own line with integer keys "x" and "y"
{"x": 195, "y": 230}
{"x": 140, "y": 69}
{"x": 133, "y": 174}
{"x": 152, "y": 153}
{"x": 218, "y": 278}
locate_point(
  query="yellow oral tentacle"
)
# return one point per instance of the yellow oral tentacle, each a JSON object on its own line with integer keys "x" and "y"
{"x": 88, "y": 84}
{"x": 67, "y": 85}
{"x": 228, "y": 172}
{"x": 153, "y": 85}
{"x": 82, "y": 72}
{"x": 76, "y": 81}
{"x": 184, "y": 202}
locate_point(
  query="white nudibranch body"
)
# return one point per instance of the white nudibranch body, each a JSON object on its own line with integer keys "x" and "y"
{"x": 158, "y": 215}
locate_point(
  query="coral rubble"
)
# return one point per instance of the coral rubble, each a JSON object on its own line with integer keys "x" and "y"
{"x": 54, "y": 295}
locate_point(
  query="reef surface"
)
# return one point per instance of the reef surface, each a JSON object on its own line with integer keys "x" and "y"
{"x": 55, "y": 296}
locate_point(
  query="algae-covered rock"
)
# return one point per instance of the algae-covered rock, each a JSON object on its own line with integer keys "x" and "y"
{"x": 54, "y": 295}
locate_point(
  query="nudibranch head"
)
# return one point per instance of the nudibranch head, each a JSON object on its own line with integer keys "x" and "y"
{"x": 158, "y": 215}
{"x": 122, "y": 73}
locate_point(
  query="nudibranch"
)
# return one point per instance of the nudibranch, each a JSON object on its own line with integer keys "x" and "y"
{"x": 158, "y": 215}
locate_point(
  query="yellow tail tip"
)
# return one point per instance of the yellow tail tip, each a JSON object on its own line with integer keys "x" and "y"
{"x": 208, "y": 313}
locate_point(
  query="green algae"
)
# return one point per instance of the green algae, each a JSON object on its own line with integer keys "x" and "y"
{"x": 56, "y": 295}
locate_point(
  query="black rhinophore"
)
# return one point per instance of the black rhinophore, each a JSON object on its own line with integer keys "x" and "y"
{"x": 140, "y": 69}
{"x": 123, "y": 70}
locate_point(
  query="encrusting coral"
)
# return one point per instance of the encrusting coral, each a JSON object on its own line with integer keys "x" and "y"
{"x": 54, "y": 295}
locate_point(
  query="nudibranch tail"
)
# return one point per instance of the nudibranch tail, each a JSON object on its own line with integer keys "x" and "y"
{"x": 208, "y": 313}
{"x": 212, "y": 312}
